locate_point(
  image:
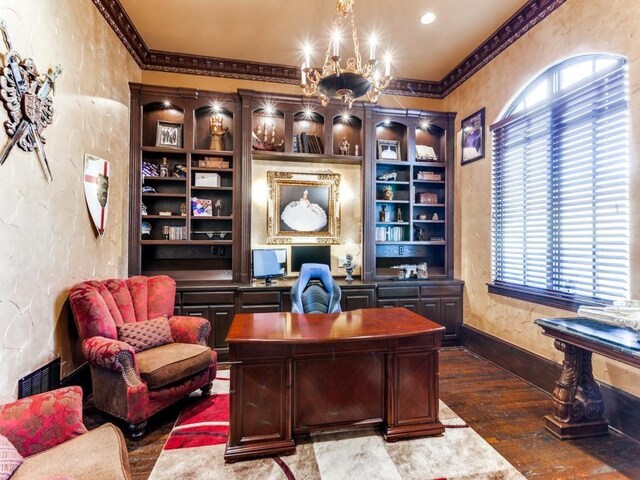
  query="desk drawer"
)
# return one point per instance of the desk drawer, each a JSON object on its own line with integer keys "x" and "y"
{"x": 440, "y": 291}
{"x": 208, "y": 298}
{"x": 259, "y": 298}
{"x": 398, "y": 292}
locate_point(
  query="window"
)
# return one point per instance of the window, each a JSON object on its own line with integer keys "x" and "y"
{"x": 560, "y": 231}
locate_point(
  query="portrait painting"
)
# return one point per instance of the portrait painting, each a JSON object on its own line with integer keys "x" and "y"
{"x": 303, "y": 207}
{"x": 389, "y": 150}
{"x": 169, "y": 134}
{"x": 473, "y": 137}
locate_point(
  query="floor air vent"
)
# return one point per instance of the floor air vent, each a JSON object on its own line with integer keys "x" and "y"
{"x": 42, "y": 380}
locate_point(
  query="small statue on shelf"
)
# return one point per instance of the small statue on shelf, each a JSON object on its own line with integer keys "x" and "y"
{"x": 388, "y": 176}
{"x": 387, "y": 192}
{"x": 218, "y": 207}
{"x": 349, "y": 266}
{"x": 217, "y": 131}
{"x": 420, "y": 234}
{"x": 343, "y": 146}
{"x": 399, "y": 215}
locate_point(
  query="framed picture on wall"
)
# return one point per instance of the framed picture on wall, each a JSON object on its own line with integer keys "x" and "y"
{"x": 303, "y": 206}
{"x": 473, "y": 137}
{"x": 169, "y": 134}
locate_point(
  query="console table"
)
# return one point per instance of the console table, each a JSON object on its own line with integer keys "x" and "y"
{"x": 293, "y": 374}
{"x": 577, "y": 401}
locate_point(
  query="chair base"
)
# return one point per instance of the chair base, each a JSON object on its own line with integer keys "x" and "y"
{"x": 206, "y": 390}
{"x": 136, "y": 430}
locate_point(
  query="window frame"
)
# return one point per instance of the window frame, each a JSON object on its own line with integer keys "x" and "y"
{"x": 556, "y": 97}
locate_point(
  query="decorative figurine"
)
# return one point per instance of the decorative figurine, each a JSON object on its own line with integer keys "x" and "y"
{"x": 349, "y": 267}
{"x": 435, "y": 217}
{"x": 217, "y": 131}
{"x": 218, "y": 206}
{"x": 422, "y": 216}
{"x": 420, "y": 234}
{"x": 164, "y": 168}
{"x": 356, "y": 149}
{"x": 143, "y": 209}
{"x": 165, "y": 232}
{"x": 384, "y": 214}
{"x": 183, "y": 209}
{"x": 343, "y": 147}
{"x": 399, "y": 215}
{"x": 388, "y": 177}
{"x": 387, "y": 192}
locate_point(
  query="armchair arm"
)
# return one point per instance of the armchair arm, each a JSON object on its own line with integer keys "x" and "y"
{"x": 190, "y": 329}
{"x": 107, "y": 353}
{"x": 37, "y": 423}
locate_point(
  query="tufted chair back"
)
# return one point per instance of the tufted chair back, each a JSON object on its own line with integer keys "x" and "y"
{"x": 315, "y": 290}
{"x": 99, "y": 306}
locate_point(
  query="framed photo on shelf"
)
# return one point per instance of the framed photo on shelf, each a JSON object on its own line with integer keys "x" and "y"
{"x": 303, "y": 207}
{"x": 473, "y": 130}
{"x": 389, "y": 150}
{"x": 169, "y": 134}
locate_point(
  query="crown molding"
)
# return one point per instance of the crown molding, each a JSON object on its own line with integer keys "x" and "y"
{"x": 531, "y": 14}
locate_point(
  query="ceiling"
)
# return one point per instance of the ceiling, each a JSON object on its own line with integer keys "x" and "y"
{"x": 273, "y": 31}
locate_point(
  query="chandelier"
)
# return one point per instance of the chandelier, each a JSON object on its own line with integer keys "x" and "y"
{"x": 356, "y": 79}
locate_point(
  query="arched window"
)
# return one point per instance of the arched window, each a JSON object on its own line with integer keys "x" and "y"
{"x": 561, "y": 186}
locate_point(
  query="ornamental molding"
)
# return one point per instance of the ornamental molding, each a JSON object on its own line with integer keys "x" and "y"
{"x": 530, "y": 15}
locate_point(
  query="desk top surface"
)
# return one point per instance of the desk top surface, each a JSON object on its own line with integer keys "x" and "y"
{"x": 368, "y": 323}
{"x": 617, "y": 339}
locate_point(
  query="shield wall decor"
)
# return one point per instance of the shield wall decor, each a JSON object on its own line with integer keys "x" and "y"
{"x": 96, "y": 190}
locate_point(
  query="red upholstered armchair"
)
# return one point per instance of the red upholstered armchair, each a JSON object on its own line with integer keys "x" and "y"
{"x": 142, "y": 358}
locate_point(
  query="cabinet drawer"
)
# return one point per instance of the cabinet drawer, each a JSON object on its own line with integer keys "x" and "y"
{"x": 398, "y": 292}
{"x": 208, "y": 298}
{"x": 259, "y": 298}
{"x": 439, "y": 291}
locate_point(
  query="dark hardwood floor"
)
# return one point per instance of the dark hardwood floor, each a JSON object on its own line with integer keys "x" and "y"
{"x": 506, "y": 411}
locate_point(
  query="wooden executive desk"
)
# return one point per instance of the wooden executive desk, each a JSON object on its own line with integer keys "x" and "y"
{"x": 293, "y": 374}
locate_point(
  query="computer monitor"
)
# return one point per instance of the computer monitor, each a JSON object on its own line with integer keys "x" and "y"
{"x": 269, "y": 263}
{"x": 310, "y": 254}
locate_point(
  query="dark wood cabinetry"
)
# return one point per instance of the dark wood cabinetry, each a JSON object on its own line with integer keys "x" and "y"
{"x": 212, "y": 262}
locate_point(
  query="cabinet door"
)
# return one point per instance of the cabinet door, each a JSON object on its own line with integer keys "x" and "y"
{"x": 355, "y": 299}
{"x": 387, "y": 303}
{"x": 196, "y": 311}
{"x": 409, "y": 303}
{"x": 451, "y": 316}
{"x": 220, "y": 316}
{"x": 430, "y": 308}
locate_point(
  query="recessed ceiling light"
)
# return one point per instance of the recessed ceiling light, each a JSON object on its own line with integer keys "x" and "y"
{"x": 428, "y": 18}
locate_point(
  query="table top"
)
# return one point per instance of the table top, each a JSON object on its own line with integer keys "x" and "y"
{"x": 368, "y": 323}
{"x": 613, "y": 341}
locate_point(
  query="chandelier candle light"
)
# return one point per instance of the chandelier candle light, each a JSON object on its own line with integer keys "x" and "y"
{"x": 353, "y": 81}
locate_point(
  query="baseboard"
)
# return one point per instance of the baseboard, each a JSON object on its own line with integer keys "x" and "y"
{"x": 81, "y": 377}
{"x": 622, "y": 410}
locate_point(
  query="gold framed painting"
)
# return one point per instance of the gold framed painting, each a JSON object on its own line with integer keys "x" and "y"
{"x": 303, "y": 208}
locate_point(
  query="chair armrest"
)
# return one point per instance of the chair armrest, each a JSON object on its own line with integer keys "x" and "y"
{"x": 190, "y": 329}
{"x": 37, "y": 423}
{"x": 108, "y": 353}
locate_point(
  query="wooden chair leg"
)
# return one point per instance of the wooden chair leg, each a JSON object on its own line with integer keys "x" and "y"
{"x": 206, "y": 390}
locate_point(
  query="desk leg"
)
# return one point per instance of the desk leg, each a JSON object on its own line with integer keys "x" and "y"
{"x": 577, "y": 401}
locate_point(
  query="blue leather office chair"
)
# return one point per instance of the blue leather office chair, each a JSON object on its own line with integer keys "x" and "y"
{"x": 315, "y": 290}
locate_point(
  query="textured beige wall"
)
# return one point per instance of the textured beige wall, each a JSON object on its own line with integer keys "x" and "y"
{"x": 575, "y": 28}
{"x": 47, "y": 240}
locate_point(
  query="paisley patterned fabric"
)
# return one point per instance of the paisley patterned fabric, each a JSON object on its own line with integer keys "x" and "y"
{"x": 190, "y": 329}
{"x": 103, "y": 352}
{"x": 10, "y": 459}
{"x": 145, "y": 335}
{"x": 37, "y": 423}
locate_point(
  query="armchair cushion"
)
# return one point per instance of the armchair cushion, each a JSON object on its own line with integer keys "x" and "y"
{"x": 10, "y": 458}
{"x": 172, "y": 363}
{"x": 145, "y": 335}
{"x": 37, "y": 423}
{"x": 98, "y": 454}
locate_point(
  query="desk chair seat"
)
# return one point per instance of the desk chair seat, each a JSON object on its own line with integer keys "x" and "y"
{"x": 315, "y": 290}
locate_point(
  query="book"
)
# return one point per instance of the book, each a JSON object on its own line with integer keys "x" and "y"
{"x": 304, "y": 138}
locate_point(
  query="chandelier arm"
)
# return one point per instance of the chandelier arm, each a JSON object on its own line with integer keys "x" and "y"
{"x": 356, "y": 43}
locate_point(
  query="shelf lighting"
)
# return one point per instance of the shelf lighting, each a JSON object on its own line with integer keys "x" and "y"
{"x": 166, "y": 103}
{"x": 345, "y": 117}
{"x": 357, "y": 78}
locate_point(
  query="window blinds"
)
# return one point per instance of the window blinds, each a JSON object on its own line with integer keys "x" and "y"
{"x": 561, "y": 193}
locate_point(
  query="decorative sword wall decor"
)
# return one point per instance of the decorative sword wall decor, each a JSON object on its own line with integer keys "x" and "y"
{"x": 26, "y": 97}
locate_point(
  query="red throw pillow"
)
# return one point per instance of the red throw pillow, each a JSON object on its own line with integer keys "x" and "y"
{"x": 145, "y": 335}
{"x": 10, "y": 458}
